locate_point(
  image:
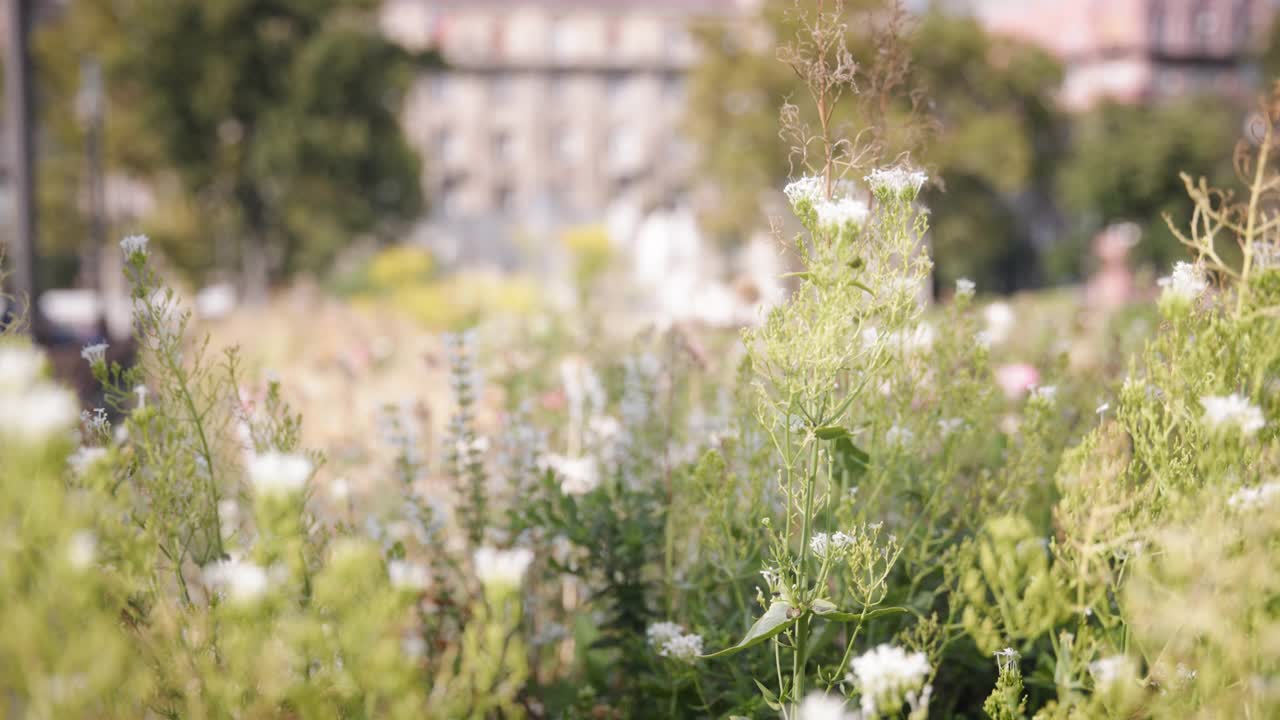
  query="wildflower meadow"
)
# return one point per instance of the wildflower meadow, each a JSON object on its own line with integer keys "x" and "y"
{"x": 855, "y": 508}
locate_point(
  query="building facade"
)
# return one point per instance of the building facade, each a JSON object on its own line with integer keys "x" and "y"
{"x": 550, "y": 110}
{"x": 1140, "y": 50}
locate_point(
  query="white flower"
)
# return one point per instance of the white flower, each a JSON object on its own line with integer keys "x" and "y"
{"x": 1044, "y": 393}
{"x": 803, "y": 194}
{"x": 20, "y": 365}
{"x": 1103, "y": 408}
{"x": 578, "y": 476}
{"x": 885, "y": 675}
{"x": 1248, "y": 498}
{"x": 340, "y": 489}
{"x": 408, "y": 576}
{"x": 821, "y": 706}
{"x": 38, "y": 413}
{"x": 818, "y": 543}
{"x": 1000, "y": 319}
{"x": 82, "y": 549}
{"x": 502, "y": 568}
{"x": 1006, "y": 658}
{"x": 241, "y": 581}
{"x": 897, "y": 435}
{"x": 918, "y": 339}
{"x": 84, "y": 458}
{"x": 660, "y": 632}
{"x": 278, "y": 474}
{"x": 1232, "y": 411}
{"x": 965, "y": 287}
{"x": 1110, "y": 670}
{"x": 94, "y": 354}
{"x": 948, "y": 426}
{"x": 134, "y": 245}
{"x": 841, "y": 215}
{"x": 413, "y": 646}
{"x": 684, "y": 648}
{"x": 897, "y": 182}
{"x": 1185, "y": 284}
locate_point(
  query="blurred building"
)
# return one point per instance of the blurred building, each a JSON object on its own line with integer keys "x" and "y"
{"x": 549, "y": 111}
{"x": 1140, "y": 50}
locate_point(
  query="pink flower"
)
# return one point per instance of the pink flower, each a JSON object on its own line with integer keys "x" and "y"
{"x": 1016, "y": 378}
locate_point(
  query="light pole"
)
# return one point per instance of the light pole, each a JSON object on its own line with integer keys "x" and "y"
{"x": 89, "y": 108}
{"x": 20, "y": 255}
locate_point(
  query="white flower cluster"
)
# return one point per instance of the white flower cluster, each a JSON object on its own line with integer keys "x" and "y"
{"x": 502, "y": 568}
{"x": 965, "y": 288}
{"x": 887, "y": 676}
{"x": 821, "y": 706}
{"x": 899, "y": 436}
{"x": 1044, "y": 393}
{"x": 578, "y": 476}
{"x": 134, "y": 245}
{"x": 1249, "y": 498}
{"x": 32, "y": 409}
{"x": 841, "y": 215}
{"x": 1000, "y": 320}
{"x": 1232, "y": 412}
{"x": 836, "y": 543}
{"x": 1108, "y": 671}
{"x": 901, "y": 183}
{"x": 94, "y": 354}
{"x": 84, "y": 458}
{"x": 804, "y": 194}
{"x": 1185, "y": 284}
{"x": 949, "y": 426}
{"x": 673, "y": 642}
{"x": 685, "y": 648}
{"x": 82, "y": 549}
{"x": 241, "y": 581}
{"x": 411, "y": 576}
{"x": 277, "y": 474}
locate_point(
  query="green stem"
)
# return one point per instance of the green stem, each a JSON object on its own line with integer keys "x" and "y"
{"x": 802, "y": 627}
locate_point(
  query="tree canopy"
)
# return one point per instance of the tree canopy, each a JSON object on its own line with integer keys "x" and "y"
{"x": 269, "y": 131}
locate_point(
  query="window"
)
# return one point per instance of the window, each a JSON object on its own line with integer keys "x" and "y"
{"x": 451, "y": 194}
{"x": 673, "y": 87}
{"x": 567, "y": 143}
{"x": 501, "y": 87}
{"x": 1241, "y": 23}
{"x": 438, "y": 86}
{"x": 503, "y": 146}
{"x": 447, "y": 145}
{"x": 615, "y": 84}
{"x": 1156, "y": 24}
{"x": 1204, "y": 23}
{"x": 562, "y": 41}
{"x": 504, "y": 198}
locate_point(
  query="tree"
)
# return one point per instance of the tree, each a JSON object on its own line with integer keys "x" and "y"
{"x": 1126, "y": 162}
{"x": 975, "y": 110}
{"x": 268, "y": 128}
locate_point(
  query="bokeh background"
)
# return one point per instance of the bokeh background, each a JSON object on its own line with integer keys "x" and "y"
{"x": 446, "y": 160}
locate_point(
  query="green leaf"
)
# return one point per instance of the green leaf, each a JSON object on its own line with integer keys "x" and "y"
{"x": 852, "y": 459}
{"x": 770, "y": 698}
{"x": 841, "y": 616}
{"x": 777, "y": 618}
{"x": 831, "y": 432}
{"x": 860, "y": 286}
{"x": 806, "y": 275}
{"x": 822, "y": 607}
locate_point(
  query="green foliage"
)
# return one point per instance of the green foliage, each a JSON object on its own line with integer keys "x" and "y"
{"x": 275, "y": 122}
{"x": 1125, "y": 164}
{"x": 169, "y": 568}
